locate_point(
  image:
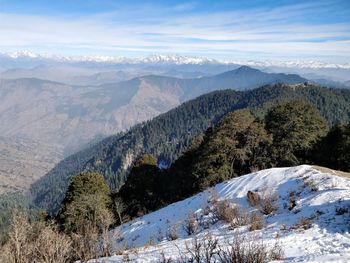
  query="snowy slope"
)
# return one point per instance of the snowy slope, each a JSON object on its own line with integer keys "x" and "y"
{"x": 322, "y": 197}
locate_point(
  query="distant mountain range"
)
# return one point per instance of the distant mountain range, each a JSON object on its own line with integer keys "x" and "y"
{"x": 27, "y": 56}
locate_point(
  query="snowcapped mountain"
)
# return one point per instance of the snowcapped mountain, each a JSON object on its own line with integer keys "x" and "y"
{"x": 171, "y": 59}
{"x": 310, "y": 220}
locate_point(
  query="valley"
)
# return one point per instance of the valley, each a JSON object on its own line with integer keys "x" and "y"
{"x": 69, "y": 117}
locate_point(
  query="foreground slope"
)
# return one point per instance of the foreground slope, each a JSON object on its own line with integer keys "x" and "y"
{"x": 322, "y": 199}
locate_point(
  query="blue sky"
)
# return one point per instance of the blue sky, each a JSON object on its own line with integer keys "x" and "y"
{"x": 258, "y": 30}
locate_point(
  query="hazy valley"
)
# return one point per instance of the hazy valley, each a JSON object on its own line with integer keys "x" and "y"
{"x": 67, "y": 117}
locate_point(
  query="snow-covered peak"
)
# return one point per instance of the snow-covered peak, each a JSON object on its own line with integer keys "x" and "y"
{"x": 22, "y": 54}
{"x": 174, "y": 59}
{"x": 320, "y": 195}
{"x": 290, "y": 64}
{"x": 177, "y": 59}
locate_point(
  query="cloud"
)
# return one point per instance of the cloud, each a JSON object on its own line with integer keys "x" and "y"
{"x": 292, "y": 31}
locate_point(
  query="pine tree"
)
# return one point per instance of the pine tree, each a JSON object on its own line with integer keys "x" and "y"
{"x": 87, "y": 199}
{"x": 295, "y": 127}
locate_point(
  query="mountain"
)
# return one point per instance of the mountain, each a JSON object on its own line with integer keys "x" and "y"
{"x": 160, "y": 59}
{"x": 68, "y": 115}
{"x": 331, "y": 83}
{"x": 159, "y": 64}
{"x": 310, "y": 205}
{"x": 169, "y": 134}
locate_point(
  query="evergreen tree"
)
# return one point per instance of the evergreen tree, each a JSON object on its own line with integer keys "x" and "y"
{"x": 87, "y": 200}
{"x": 141, "y": 191}
{"x": 333, "y": 150}
{"x": 236, "y": 146}
{"x": 295, "y": 127}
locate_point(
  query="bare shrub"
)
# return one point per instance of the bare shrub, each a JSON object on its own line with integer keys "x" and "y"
{"x": 230, "y": 213}
{"x": 85, "y": 243}
{"x": 237, "y": 250}
{"x": 304, "y": 223}
{"x": 223, "y": 210}
{"x": 152, "y": 240}
{"x": 311, "y": 184}
{"x": 253, "y": 198}
{"x": 122, "y": 247}
{"x": 17, "y": 249}
{"x": 256, "y": 222}
{"x": 126, "y": 257}
{"x": 204, "y": 223}
{"x": 214, "y": 198}
{"x": 241, "y": 218}
{"x": 206, "y": 210}
{"x": 163, "y": 258}
{"x": 268, "y": 204}
{"x": 190, "y": 224}
{"x": 34, "y": 243}
{"x": 52, "y": 246}
{"x": 160, "y": 235}
{"x": 241, "y": 250}
{"x": 119, "y": 208}
{"x": 172, "y": 231}
{"x": 276, "y": 252}
{"x": 200, "y": 250}
{"x": 107, "y": 219}
{"x": 292, "y": 201}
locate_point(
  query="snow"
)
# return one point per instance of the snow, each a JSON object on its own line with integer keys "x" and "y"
{"x": 318, "y": 193}
{"x": 177, "y": 60}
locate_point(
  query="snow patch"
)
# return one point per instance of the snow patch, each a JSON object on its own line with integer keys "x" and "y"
{"x": 319, "y": 198}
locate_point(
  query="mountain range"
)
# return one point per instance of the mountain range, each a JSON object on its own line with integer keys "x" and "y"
{"x": 65, "y": 118}
{"x": 162, "y": 59}
{"x": 69, "y": 115}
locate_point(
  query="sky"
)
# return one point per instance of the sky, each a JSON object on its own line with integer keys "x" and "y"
{"x": 252, "y": 30}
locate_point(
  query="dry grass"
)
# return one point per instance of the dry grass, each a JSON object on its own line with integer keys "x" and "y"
{"x": 330, "y": 171}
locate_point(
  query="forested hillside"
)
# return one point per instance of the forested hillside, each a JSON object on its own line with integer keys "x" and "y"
{"x": 169, "y": 134}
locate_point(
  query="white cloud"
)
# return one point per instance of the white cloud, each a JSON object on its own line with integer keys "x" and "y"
{"x": 276, "y": 32}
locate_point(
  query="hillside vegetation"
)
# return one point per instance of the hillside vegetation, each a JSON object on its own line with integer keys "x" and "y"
{"x": 168, "y": 135}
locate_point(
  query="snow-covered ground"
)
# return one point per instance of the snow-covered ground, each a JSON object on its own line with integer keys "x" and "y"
{"x": 322, "y": 197}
